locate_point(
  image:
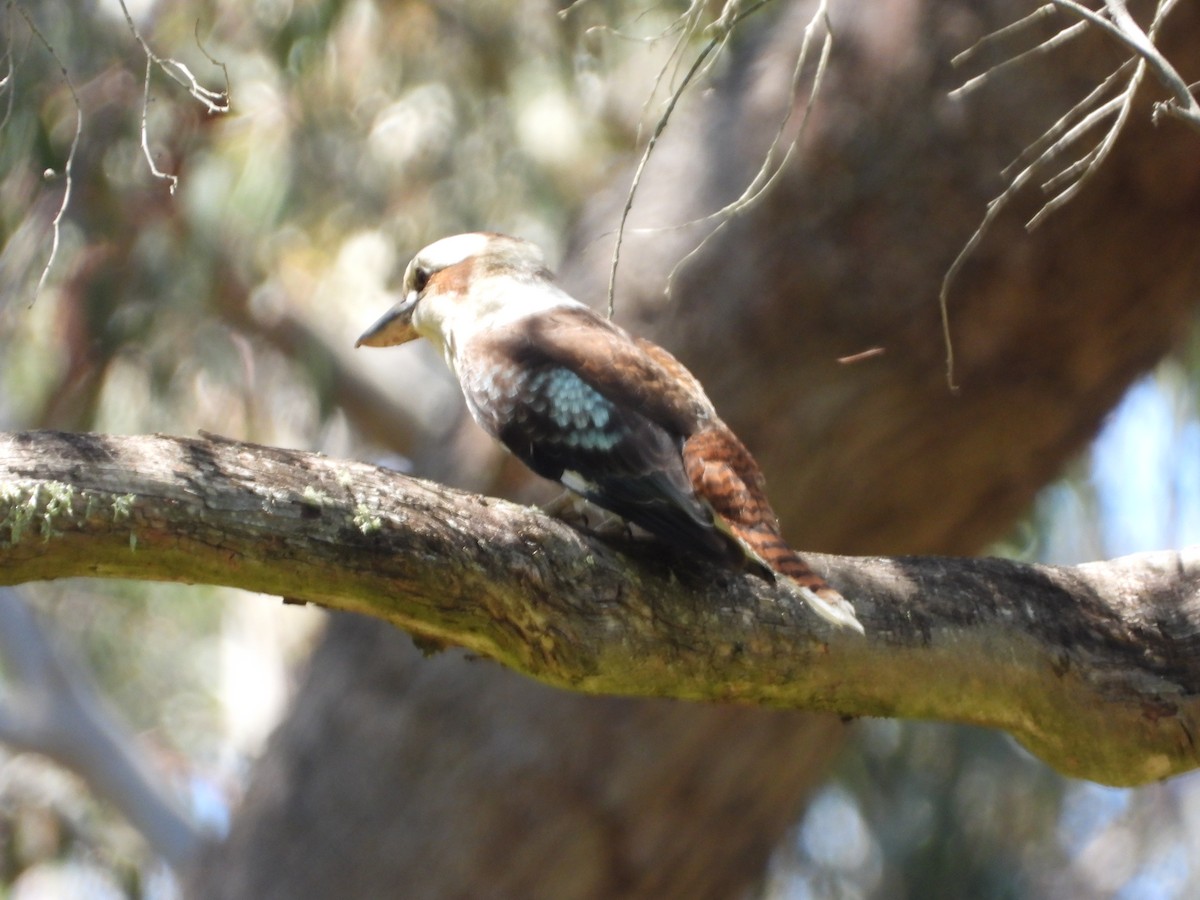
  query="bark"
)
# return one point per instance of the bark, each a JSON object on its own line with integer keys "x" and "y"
{"x": 1094, "y": 668}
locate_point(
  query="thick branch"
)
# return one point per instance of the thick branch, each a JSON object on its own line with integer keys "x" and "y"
{"x": 1094, "y": 668}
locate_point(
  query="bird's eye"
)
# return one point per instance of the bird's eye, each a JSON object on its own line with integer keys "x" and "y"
{"x": 420, "y": 279}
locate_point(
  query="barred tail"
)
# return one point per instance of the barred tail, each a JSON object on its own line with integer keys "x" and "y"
{"x": 726, "y": 477}
{"x": 824, "y": 600}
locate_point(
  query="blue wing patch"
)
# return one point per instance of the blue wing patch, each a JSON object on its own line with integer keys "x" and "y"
{"x": 566, "y": 430}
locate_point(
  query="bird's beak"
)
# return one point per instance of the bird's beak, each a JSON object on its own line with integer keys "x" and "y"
{"x": 394, "y": 326}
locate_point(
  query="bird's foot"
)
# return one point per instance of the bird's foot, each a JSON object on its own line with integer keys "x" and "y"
{"x": 568, "y": 507}
{"x": 609, "y": 525}
{"x": 577, "y": 512}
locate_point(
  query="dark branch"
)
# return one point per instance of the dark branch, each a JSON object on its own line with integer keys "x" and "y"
{"x": 1095, "y": 668}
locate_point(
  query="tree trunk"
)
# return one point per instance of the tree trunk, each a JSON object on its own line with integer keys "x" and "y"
{"x": 443, "y": 777}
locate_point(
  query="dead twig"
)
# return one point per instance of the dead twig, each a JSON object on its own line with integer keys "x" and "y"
{"x": 1040, "y": 159}
{"x": 68, "y": 168}
{"x": 214, "y": 101}
{"x": 719, "y": 33}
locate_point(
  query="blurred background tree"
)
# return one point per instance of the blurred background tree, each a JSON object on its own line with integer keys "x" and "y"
{"x": 358, "y": 132}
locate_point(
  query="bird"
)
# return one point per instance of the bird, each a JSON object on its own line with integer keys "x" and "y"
{"x": 612, "y": 417}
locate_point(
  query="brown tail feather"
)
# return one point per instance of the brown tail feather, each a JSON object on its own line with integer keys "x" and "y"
{"x": 724, "y": 474}
{"x": 772, "y": 549}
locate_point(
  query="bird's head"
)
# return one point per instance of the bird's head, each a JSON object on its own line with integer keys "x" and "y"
{"x": 463, "y": 284}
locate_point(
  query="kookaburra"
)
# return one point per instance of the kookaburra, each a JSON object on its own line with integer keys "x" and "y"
{"x": 580, "y": 401}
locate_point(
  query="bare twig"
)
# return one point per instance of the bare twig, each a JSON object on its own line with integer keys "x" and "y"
{"x": 997, "y": 205}
{"x": 223, "y": 95}
{"x": 770, "y": 170}
{"x": 686, "y": 25}
{"x": 172, "y": 180}
{"x": 1081, "y": 172}
{"x": 1121, "y": 26}
{"x": 773, "y": 165}
{"x": 575, "y": 4}
{"x": 1064, "y": 134}
{"x": 68, "y": 169}
{"x": 1183, "y": 105}
{"x": 1001, "y": 34}
{"x": 7, "y": 82}
{"x": 1081, "y": 110}
{"x": 1051, "y": 43}
{"x": 717, "y": 40}
{"x": 214, "y": 101}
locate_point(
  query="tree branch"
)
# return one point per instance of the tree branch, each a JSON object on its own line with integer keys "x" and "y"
{"x": 1121, "y": 25}
{"x": 1094, "y": 668}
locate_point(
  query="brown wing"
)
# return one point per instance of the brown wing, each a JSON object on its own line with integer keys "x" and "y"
{"x": 535, "y": 386}
{"x": 631, "y": 372}
{"x": 638, "y": 374}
